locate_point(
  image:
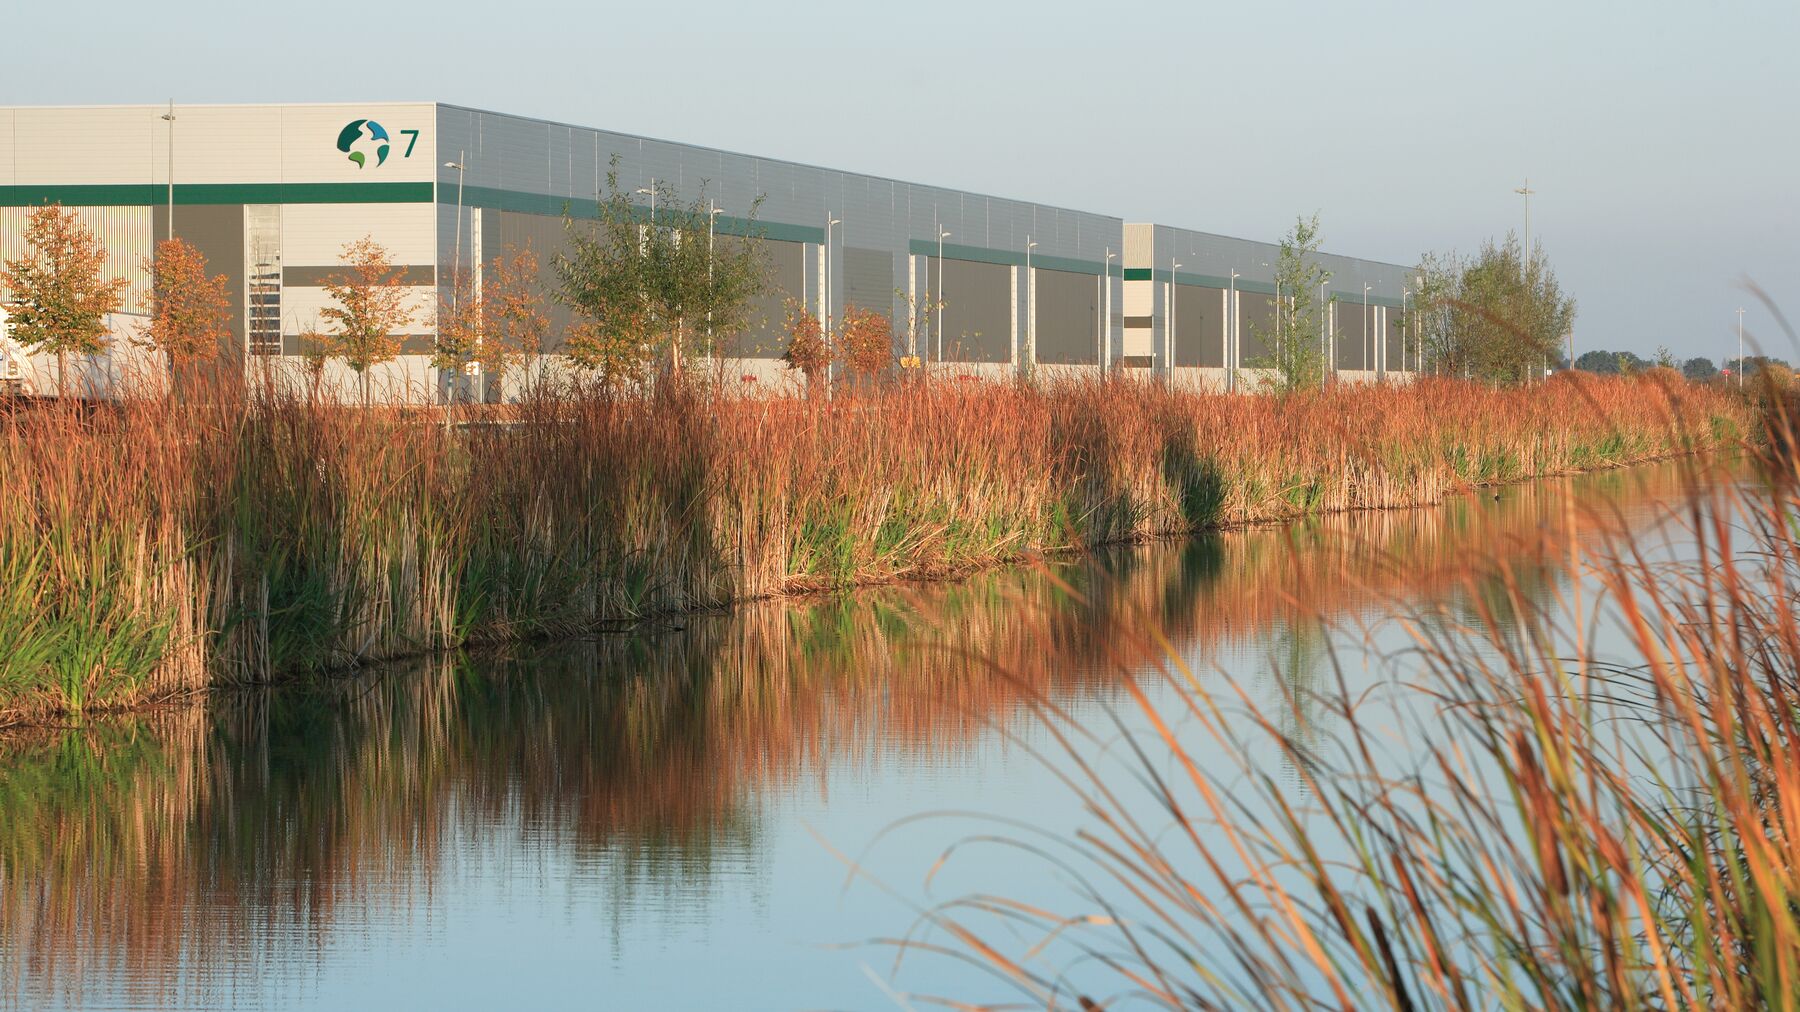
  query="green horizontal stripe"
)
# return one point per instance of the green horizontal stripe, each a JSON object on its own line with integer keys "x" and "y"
{"x": 494, "y": 198}
{"x": 1139, "y": 274}
{"x": 1009, "y": 258}
{"x": 150, "y": 194}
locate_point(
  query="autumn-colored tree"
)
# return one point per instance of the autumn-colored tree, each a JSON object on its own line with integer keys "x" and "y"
{"x": 315, "y": 351}
{"x": 371, "y": 305}
{"x": 614, "y": 351}
{"x": 866, "y": 340}
{"x": 514, "y": 305}
{"x": 806, "y": 341}
{"x": 60, "y": 287}
{"x": 460, "y": 324}
{"x": 192, "y": 317}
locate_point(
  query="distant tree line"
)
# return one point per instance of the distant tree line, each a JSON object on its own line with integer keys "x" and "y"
{"x": 1699, "y": 369}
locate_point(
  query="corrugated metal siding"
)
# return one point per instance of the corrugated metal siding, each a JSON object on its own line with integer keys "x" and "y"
{"x": 977, "y": 311}
{"x": 125, "y": 231}
{"x": 1199, "y": 327}
{"x": 869, "y": 279}
{"x": 1068, "y": 318}
{"x": 1256, "y": 337}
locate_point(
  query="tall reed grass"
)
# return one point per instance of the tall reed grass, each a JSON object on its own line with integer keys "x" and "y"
{"x": 160, "y": 547}
{"x": 1599, "y": 807}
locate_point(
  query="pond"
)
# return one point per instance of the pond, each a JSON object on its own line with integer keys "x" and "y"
{"x": 665, "y": 819}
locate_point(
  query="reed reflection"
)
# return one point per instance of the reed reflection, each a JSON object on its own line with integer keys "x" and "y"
{"x": 180, "y": 856}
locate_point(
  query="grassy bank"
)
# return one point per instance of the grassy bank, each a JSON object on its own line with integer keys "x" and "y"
{"x": 158, "y": 548}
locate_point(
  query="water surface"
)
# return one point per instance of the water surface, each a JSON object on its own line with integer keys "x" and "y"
{"x": 651, "y": 821}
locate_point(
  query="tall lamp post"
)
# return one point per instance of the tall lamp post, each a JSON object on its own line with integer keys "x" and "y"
{"x": 1028, "y": 362}
{"x": 1740, "y": 361}
{"x": 1328, "y": 361}
{"x": 1169, "y": 344}
{"x": 650, "y": 192}
{"x": 712, "y": 217}
{"x": 456, "y": 262}
{"x": 1231, "y": 332}
{"x": 825, "y": 298}
{"x": 1526, "y": 191}
{"x": 1106, "y": 310}
{"x": 169, "y": 118}
{"x": 1405, "y": 324}
{"x": 943, "y": 233}
{"x": 1277, "y": 277}
{"x": 1365, "y": 323}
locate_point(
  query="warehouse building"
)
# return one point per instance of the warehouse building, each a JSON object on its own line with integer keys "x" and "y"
{"x": 270, "y": 194}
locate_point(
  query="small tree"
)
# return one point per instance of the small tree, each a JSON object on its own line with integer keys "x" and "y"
{"x": 866, "y": 340}
{"x": 806, "y": 349}
{"x": 1510, "y": 313}
{"x": 918, "y": 326}
{"x": 371, "y": 305}
{"x": 460, "y": 323}
{"x": 1296, "y": 355}
{"x": 1440, "y": 347}
{"x": 516, "y": 324}
{"x": 315, "y": 352}
{"x": 192, "y": 318}
{"x": 614, "y": 351}
{"x": 668, "y": 275}
{"x": 61, "y": 288}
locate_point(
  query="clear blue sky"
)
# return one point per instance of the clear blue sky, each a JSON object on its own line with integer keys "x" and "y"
{"x": 1661, "y": 137}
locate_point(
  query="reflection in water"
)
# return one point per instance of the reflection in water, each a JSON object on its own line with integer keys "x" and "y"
{"x": 185, "y": 856}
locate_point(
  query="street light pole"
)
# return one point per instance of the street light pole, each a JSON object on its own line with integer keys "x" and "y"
{"x": 943, "y": 233}
{"x": 1526, "y": 191}
{"x": 1365, "y": 326}
{"x": 169, "y": 118}
{"x": 825, "y": 301}
{"x": 1028, "y": 362}
{"x": 1277, "y": 277}
{"x": 1169, "y": 344}
{"x": 651, "y": 193}
{"x": 712, "y": 217}
{"x": 1231, "y": 333}
{"x": 1327, "y": 361}
{"x": 1405, "y": 325}
{"x": 456, "y": 268}
{"x": 1106, "y": 316}
{"x": 1740, "y": 361}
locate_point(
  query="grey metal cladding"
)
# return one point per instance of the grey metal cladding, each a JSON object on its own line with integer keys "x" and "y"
{"x": 514, "y": 154}
{"x": 1256, "y": 334}
{"x": 977, "y": 311}
{"x": 1068, "y": 318}
{"x": 216, "y": 231}
{"x": 1352, "y": 334}
{"x": 869, "y": 280}
{"x": 1199, "y": 327}
{"x": 765, "y": 335}
{"x": 1397, "y": 353}
{"x": 506, "y": 233}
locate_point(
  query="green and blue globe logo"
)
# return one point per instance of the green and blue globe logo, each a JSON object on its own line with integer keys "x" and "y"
{"x": 360, "y": 138}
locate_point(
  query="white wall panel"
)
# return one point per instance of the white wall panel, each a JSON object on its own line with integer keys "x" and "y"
{"x": 302, "y": 309}
{"x": 313, "y": 235}
{"x": 114, "y": 144}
